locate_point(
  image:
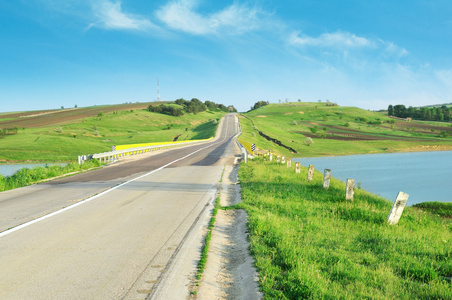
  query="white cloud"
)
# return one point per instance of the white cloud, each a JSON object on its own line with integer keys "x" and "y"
{"x": 110, "y": 16}
{"x": 393, "y": 49}
{"x": 181, "y": 15}
{"x": 337, "y": 39}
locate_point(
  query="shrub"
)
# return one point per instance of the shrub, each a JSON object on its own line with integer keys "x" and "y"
{"x": 308, "y": 141}
{"x": 444, "y": 134}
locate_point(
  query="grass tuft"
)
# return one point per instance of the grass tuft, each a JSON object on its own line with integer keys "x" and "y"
{"x": 205, "y": 250}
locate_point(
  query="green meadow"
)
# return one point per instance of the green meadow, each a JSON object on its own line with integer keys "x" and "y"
{"x": 25, "y": 177}
{"x": 64, "y": 141}
{"x": 310, "y": 243}
{"x": 337, "y": 130}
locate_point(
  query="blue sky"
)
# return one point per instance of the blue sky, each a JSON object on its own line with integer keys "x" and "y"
{"x": 360, "y": 53}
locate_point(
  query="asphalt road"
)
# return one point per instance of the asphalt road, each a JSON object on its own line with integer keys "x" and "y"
{"x": 110, "y": 233}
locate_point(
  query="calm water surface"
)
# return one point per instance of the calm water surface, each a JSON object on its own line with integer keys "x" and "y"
{"x": 425, "y": 176}
{"x": 8, "y": 170}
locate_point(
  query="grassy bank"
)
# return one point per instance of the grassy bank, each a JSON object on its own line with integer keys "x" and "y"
{"x": 338, "y": 130}
{"x": 310, "y": 243}
{"x": 63, "y": 137}
{"x": 25, "y": 177}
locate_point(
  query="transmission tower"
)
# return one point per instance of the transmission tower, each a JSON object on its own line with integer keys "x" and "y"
{"x": 158, "y": 90}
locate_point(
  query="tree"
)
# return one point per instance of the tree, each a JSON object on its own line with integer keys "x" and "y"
{"x": 231, "y": 108}
{"x": 390, "y": 110}
{"x": 400, "y": 111}
{"x": 259, "y": 104}
{"x": 166, "y": 109}
{"x": 308, "y": 141}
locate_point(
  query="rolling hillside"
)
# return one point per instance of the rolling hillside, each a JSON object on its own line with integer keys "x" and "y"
{"x": 337, "y": 130}
{"x": 62, "y": 135}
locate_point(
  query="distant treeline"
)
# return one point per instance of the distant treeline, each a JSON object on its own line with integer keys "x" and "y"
{"x": 8, "y": 131}
{"x": 423, "y": 113}
{"x": 193, "y": 106}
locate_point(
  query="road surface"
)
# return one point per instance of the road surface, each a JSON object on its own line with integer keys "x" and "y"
{"x": 112, "y": 233}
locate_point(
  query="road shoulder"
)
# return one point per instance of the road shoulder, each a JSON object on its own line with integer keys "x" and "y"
{"x": 230, "y": 272}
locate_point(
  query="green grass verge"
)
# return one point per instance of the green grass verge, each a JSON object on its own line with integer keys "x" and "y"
{"x": 309, "y": 243}
{"x": 25, "y": 177}
{"x": 205, "y": 249}
{"x": 439, "y": 208}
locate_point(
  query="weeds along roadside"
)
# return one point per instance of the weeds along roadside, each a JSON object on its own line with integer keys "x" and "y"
{"x": 25, "y": 177}
{"x": 309, "y": 242}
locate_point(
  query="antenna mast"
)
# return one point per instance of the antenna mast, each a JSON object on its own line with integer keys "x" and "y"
{"x": 158, "y": 90}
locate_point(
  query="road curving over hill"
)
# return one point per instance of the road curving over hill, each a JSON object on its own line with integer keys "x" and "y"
{"x": 113, "y": 233}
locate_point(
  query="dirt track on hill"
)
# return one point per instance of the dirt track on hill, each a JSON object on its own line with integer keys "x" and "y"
{"x": 63, "y": 116}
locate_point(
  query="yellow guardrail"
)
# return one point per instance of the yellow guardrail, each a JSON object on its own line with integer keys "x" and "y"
{"x": 129, "y": 146}
{"x": 247, "y": 145}
{"x": 253, "y": 149}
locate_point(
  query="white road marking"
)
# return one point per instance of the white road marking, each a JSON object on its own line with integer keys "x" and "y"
{"x": 18, "y": 227}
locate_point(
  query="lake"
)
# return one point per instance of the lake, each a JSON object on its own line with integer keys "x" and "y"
{"x": 8, "y": 170}
{"x": 425, "y": 176}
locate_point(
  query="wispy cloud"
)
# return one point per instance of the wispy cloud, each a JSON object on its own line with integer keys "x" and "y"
{"x": 181, "y": 15}
{"x": 110, "y": 15}
{"x": 344, "y": 42}
{"x": 337, "y": 39}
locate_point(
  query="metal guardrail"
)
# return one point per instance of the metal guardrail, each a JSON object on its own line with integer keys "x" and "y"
{"x": 114, "y": 155}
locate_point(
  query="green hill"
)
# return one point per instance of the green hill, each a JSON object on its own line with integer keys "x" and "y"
{"x": 62, "y": 135}
{"x": 337, "y": 130}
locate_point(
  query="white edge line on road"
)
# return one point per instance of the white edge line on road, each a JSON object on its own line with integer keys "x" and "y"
{"x": 18, "y": 227}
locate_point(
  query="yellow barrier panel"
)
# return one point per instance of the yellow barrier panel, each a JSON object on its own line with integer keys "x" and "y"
{"x": 258, "y": 151}
{"x": 247, "y": 145}
{"x": 125, "y": 147}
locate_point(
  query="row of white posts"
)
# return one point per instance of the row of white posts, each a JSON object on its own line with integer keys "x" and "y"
{"x": 394, "y": 214}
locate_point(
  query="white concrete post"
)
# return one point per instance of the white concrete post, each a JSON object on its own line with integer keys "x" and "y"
{"x": 350, "y": 189}
{"x": 278, "y": 159}
{"x": 283, "y": 160}
{"x": 271, "y": 156}
{"x": 326, "y": 178}
{"x": 297, "y": 168}
{"x": 311, "y": 172}
{"x": 289, "y": 163}
{"x": 397, "y": 208}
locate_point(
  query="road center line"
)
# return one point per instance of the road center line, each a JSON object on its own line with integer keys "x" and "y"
{"x": 18, "y": 227}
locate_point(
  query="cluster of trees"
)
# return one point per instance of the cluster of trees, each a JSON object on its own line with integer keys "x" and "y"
{"x": 423, "y": 113}
{"x": 8, "y": 131}
{"x": 166, "y": 109}
{"x": 193, "y": 106}
{"x": 259, "y": 104}
{"x": 214, "y": 106}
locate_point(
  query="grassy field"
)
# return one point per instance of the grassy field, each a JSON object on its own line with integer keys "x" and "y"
{"x": 25, "y": 177}
{"x": 309, "y": 243}
{"x": 62, "y": 135}
{"x": 338, "y": 130}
